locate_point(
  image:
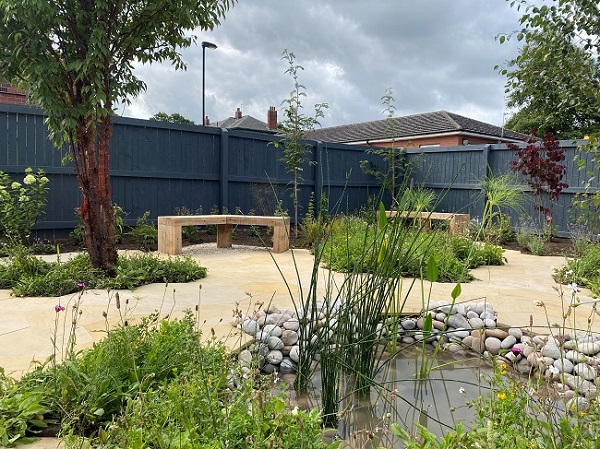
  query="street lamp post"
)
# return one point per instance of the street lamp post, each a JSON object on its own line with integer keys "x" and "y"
{"x": 212, "y": 46}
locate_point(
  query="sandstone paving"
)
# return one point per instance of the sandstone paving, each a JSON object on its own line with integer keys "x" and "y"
{"x": 242, "y": 278}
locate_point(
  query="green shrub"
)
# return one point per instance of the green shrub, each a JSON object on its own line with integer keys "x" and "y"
{"x": 78, "y": 234}
{"x": 584, "y": 270}
{"x": 144, "y": 232}
{"x": 155, "y": 384}
{"x": 21, "y": 204}
{"x": 351, "y": 249}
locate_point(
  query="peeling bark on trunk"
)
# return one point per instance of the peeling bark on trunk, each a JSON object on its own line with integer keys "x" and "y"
{"x": 92, "y": 167}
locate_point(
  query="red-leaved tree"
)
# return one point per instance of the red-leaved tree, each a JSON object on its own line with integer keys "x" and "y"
{"x": 541, "y": 165}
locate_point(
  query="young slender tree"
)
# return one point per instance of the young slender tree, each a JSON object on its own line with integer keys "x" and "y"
{"x": 75, "y": 57}
{"x": 294, "y": 128}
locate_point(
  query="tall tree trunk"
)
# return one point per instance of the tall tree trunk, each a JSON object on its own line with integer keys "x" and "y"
{"x": 92, "y": 167}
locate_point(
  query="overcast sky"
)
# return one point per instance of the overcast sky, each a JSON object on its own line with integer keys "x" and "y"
{"x": 434, "y": 54}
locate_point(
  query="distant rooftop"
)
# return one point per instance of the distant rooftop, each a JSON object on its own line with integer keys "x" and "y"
{"x": 411, "y": 126}
{"x": 249, "y": 123}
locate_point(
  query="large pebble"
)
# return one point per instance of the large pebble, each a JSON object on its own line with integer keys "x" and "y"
{"x": 250, "y": 326}
{"x": 292, "y": 324}
{"x": 489, "y": 323}
{"x": 501, "y": 334}
{"x": 563, "y": 365}
{"x": 295, "y": 354}
{"x": 275, "y": 343}
{"x": 408, "y": 324}
{"x": 458, "y": 321}
{"x": 439, "y": 325}
{"x": 487, "y": 316}
{"x": 245, "y": 357}
{"x": 476, "y": 323}
{"x": 471, "y": 314}
{"x": 269, "y": 368}
{"x": 588, "y": 348}
{"x": 492, "y": 344}
{"x": 578, "y": 404}
{"x": 289, "y": 337}
{"x": 478, "y": 308}
{"x": 516, "y": 332}
{"x": 287, "y": 366}
{"x": 576, "y": 356}
{"x": 274, "y": 357}
{"x": 586, "y": 371}
{"x": 508, "y": 342}
{"x": 272, "y": 330}
{"x": 551, "y": 350}
{"x": 460, "y": 333}
{"x": 275, "y": 318}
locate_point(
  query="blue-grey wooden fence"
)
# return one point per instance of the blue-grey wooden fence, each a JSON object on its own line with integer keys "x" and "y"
{"x": 456, "y": 175}
{"x": 159, "y": 167}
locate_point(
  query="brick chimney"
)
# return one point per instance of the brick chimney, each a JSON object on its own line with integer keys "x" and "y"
{"x": 206, "y": 121}
{"x": 272, "y": 118}
{"x": 238, "y": 113}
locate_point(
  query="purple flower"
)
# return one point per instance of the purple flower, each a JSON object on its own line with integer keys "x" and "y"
{"x": 58, "y": 308}
{"x": 81, "y": 286}
{"x": 515, "y": 350}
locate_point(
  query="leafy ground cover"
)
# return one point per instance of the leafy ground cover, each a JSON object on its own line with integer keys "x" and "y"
{"x": 154, "y": 384}
{"x": 27, "y": 275}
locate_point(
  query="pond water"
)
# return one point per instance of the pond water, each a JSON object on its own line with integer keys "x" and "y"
{"x": 435, "y": 402}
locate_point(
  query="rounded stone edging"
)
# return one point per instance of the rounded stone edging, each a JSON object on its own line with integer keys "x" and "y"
{"x": 571, "y": 362}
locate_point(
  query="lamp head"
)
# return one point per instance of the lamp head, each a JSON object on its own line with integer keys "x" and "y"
{"x": 210, "y": 45}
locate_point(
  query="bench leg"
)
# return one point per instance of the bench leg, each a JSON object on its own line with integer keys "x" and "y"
{"x": 459, "y": 225}
{"x": 169, "y": 239}
{"x": 281, "y": 238}
{"x": 224, "y": 232}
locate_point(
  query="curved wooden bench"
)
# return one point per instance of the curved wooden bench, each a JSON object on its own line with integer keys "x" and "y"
{"x": 169, "y": 229}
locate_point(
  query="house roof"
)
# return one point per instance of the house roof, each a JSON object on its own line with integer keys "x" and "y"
{"x": 411, "y": 126}
{"x": 247, "y": 122}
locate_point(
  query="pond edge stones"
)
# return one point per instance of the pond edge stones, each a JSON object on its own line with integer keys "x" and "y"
{"x": 571, "y": 361}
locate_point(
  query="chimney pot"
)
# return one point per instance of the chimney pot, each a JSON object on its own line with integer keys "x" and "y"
{"x": 206, "y": 121}
{"x": 238, "y": 113}
{"x": 272, "y": 118}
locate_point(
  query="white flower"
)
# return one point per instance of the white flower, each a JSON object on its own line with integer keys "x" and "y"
{"x": 23, "y": 198}
{"x": 573, "y": 287}
{"x": 44, "y": 180}
{"x": 553, "y": 369}
{"x": 29, "y": 179}
{"x": 295, "y": 411}
{"x": 569, "y": 273}
{"x": 15, "y": 185}
{"x": 461, "y": 390}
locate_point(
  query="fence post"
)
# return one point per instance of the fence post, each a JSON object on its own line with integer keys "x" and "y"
{"x": 318, "y": 173}
{"x": 224, "y": 184}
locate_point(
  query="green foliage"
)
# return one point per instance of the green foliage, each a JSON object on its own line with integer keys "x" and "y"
{"x": 420, "y": 199}
{"x": 314, "y": 225}
{"x": 531, "y": 238}
{"x": 347, "y": 250}
{"x": 583, "y": 270}
{"x": 556, "y": 75}
{"x": 145, "y": 232}
{"x": 21, "y": 204}
{"x": 155, "y": 384}
{"x": 171, "y": 118}
{"x": 21, "y": 412}
{"x": 502, "y": 193}
{"x": 392, "y": 155}
{"x": 294, "y": 128}
{"x": 28, "y": 275}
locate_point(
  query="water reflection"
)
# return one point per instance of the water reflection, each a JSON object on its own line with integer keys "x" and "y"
{"x": 402, "y": 396}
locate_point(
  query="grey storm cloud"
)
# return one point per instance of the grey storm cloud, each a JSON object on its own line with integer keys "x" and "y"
{"x": 433, "y": 54}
